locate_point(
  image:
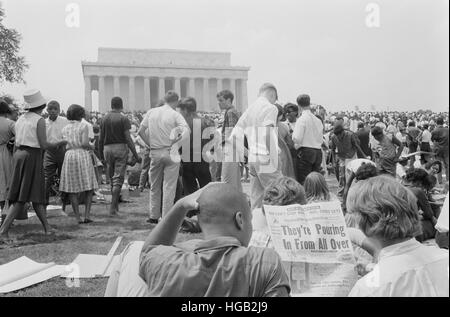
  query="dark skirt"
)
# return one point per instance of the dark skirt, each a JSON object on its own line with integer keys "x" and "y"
{"x": 27, "y": 183}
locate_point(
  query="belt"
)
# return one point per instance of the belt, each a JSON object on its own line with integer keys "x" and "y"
{"x": 161, "y": 149}
{"x": 309, "y": 148}
{"x": 25, "y": 147}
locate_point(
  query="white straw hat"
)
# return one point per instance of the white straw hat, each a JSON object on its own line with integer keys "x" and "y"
{"x": 33, "y": 99}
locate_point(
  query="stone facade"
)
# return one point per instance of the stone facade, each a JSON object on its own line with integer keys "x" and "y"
{"x": 142, "y": 77}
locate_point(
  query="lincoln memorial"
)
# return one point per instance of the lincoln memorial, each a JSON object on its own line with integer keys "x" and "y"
{"x": 142, "y": 77}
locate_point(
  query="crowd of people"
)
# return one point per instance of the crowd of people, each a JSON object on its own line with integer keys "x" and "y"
{"x": 388, "y": 166}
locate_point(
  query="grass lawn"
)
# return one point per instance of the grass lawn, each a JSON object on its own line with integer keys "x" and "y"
{"x": 73, "y": 239}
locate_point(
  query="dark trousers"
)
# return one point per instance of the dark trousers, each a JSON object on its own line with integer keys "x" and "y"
{"x": 196, "y": 175}
{"x": 425, "y": 147}
{"x": 309, "y": 160}
{"x": 53, "y": 161}
{"x": 412, "y": 149}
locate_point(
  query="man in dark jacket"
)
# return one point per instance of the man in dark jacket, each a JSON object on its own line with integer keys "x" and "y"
{"x": 363, "y": 135}
{"x": 439, "y": 136}
{"x": 195, "y": 169}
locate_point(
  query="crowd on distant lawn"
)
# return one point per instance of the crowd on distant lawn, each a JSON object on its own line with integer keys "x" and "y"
{"x": 389, "y": 165}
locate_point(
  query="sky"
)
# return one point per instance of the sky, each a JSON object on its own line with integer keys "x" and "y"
{"x": 343, "y": 53}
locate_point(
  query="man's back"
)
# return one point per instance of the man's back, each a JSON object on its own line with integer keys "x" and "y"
{"x": 161, "y": 123}
{"x": 197, "y": 146}
{"x": 364, "y": 139}
{"x": 113, "y": 128}
{"x": 308, "y": 131}
{"x": 260, "y": 114}
{"x": 214, "y": 268}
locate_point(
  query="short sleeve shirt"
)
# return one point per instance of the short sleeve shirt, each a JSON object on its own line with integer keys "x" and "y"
{"x": 219, "y": 267}
{"x": 113, "y": 128}
{"x": 259, "y": 115}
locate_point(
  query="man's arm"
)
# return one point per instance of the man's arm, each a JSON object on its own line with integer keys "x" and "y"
{"x": 166, "y": 231}
{"x": 400, "y": 147}
{"x": 182, "y": 124}
{"x": 131, "y": 146}
{"x": 101, "y": 141}
{"x": 142, "y": 133}
{"x": 277, "y": 280}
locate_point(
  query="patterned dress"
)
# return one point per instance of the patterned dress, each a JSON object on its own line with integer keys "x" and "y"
{"x": 78, "y": 174}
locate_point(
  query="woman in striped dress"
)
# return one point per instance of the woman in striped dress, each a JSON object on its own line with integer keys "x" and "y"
{"x": 78, "y": 174}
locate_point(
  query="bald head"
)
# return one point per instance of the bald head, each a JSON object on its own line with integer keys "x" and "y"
{"x": 219, "y": 203}
{"x": 225, "y": 211}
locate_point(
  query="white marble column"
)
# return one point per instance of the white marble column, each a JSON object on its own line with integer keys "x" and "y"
{"x": 147, "y": 97}
{"x": 161, "y": 88}
{"x": 177, "y": 85}
{"x": 87, "y": 93}
{"x": 206, "y": 104}
{"x": 101, "y": 94}
{"x": 244, "y": 96}
{"x": 132, "y": 93}
{"x": 233, "y": 88}
{"x": 219, "y": 85}
{"x": 116, "y": 86}
{"x": 191, "y": 87}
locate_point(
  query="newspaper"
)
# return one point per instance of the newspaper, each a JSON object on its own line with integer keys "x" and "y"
{"x": 315, "y": 248}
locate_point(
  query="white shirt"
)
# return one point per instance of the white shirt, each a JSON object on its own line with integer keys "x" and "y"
{"x": 407, "y": 269}
{"x": 426, "y": 136}
{"x": 259, "y": 115}
{"x": 355, "y": 164}
{"x": 308, "y": 131}
{"x": 163, "y": 124}
{"x": 54, "y": 128}
{"x": 26, "y": 130}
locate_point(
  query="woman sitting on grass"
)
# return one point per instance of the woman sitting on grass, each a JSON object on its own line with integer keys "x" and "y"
{"x": 316, "y": 189}
{"x": 387, "y": 213}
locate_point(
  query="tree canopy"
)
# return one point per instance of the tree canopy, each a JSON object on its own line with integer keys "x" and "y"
{"x": 12, "y": 65}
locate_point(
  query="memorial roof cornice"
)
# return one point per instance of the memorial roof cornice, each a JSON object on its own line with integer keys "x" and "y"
{"x": 174, "y": 66}
{"x": 161, "y": 50}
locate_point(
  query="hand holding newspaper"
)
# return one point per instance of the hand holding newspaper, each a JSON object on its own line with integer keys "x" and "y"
{"x": 313, "y": 242}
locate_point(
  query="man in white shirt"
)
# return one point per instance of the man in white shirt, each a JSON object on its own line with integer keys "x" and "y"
{"x": 425, "y": 143}
{"x": 166, "y": 127}
{"x": 258, "y": 124}
{"x": 308, "y": 140}
{"x": 53, "y": 158}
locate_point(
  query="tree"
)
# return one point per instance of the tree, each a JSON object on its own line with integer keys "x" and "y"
{"x": 12, "y": 66}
